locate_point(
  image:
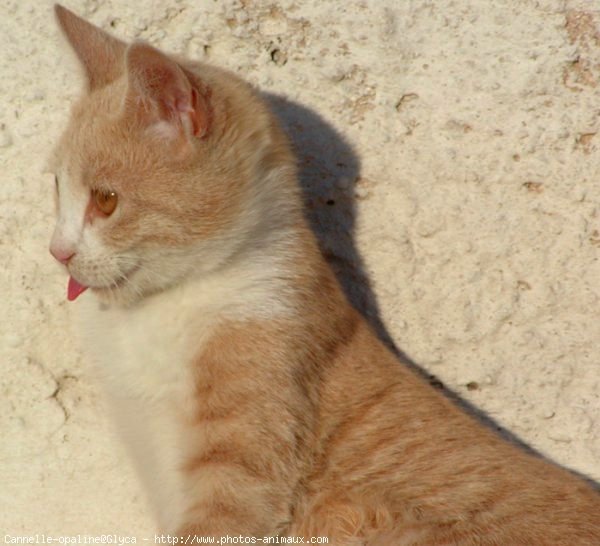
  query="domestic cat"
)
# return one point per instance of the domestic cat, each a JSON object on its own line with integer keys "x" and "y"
{"x": 255, "y": 399}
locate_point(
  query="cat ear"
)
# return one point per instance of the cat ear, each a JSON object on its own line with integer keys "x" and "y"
{"x": 163, "y": 97}
{"x": 100, "y": 53}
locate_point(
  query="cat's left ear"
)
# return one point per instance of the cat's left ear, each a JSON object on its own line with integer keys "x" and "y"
{"x": 100, "y": 53}
{"x": 163, "y": 97}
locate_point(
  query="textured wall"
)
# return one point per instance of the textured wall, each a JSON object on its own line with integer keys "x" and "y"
{"x": 464, "y": 189}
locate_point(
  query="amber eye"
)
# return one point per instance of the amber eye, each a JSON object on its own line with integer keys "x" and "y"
{"x": 106, "y": 201}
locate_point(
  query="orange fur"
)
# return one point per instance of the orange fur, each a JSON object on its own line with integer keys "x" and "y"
{"x": 286, "y": 414}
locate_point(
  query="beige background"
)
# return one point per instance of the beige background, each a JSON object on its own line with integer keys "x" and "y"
{"x": 471, "y": 197}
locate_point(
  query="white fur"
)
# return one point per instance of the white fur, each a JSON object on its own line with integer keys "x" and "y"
{"x": 140, "y": 356}
{"x": 164, "y": 130}
{"x": 72, "y": 203}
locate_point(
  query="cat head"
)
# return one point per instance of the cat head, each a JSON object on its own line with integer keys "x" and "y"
{"x": 166, "y": 168}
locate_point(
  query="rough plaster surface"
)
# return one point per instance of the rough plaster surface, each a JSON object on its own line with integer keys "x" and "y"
{"x": 470, "y": 197}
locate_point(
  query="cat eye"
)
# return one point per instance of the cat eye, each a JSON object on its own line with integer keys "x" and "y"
{"x": 105, "y": 201}
{"x": 56, "y": 183}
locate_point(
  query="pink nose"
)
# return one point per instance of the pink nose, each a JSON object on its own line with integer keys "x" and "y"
{"x": 62, "y": 255}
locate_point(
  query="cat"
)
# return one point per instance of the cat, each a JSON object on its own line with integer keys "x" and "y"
{"x": 255, "y": 399}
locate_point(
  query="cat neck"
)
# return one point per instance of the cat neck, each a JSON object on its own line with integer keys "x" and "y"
{"x": 258, "y": 279}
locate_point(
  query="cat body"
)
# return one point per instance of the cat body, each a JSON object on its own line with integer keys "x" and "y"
{"x": 255, "y": 400}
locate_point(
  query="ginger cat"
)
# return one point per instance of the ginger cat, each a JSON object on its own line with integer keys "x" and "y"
{"x": 255, "y": 400}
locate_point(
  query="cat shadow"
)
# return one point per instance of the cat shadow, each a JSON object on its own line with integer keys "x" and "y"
{"x": 329, "y": 171}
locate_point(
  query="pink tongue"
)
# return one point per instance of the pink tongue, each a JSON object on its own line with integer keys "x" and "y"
{"x": 74, "y": 289}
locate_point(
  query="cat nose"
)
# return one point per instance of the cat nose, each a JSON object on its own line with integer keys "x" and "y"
{"x": 63, "y": 255}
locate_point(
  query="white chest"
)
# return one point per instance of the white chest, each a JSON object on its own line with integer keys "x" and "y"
{"x": 142, "y": 357}
{"x": 141, "y": 352}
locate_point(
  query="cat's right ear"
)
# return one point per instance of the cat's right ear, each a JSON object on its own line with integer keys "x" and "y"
{"x": 102, "y": 55}
{"x": 164, "y": 98}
